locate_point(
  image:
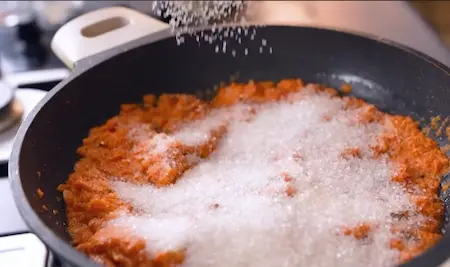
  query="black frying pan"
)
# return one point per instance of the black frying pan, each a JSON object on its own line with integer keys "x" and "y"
{"x": 395, "y": 78}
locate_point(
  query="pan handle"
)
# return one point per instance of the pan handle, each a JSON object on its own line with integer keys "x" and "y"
{"x": 100, "y": 30}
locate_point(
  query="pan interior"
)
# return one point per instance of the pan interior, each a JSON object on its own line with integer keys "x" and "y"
{"x": 394, "y": 80}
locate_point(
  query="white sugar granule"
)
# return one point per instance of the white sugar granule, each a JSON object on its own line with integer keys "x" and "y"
{"x": 232, "y": 209}
{"x": 195, "y": 13}
{"x": 186, "y": 16}
{"x": 226, "y": 20}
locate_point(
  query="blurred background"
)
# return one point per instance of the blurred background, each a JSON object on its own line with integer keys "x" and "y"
{"x": 26, "y": 27}
{"x": 437, "y": 13}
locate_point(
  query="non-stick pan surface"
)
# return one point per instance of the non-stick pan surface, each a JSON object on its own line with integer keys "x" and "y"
{"x": 396, "y": 79}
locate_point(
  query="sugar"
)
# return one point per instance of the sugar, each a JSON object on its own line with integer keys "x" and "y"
{"x": 232, "y": 209}
{"x": 187, "y": 14}
{"x": 227, "y": 20}
{"x": 199, "y": 132}
{"x": 160, "y": 143}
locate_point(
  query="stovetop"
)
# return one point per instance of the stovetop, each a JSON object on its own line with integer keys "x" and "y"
{"x": 399, "y": 23}
{"x": 18, "y": 247}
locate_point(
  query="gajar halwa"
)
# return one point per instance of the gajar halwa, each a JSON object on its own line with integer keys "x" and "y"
{"x": 265, "y": 174}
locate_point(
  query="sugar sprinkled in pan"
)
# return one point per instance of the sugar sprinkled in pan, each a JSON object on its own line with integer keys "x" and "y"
{"x": 232, "y": 208}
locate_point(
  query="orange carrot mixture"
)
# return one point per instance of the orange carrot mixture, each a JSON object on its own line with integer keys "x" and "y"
{"x": 109, "y": 152}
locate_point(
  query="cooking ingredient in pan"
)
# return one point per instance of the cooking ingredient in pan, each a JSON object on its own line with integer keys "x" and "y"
{"x": 309, "y": 179}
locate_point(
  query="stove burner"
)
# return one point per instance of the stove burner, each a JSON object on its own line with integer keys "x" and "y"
{"x": 6, "y": 95}
{"x": 11, "y": 115}
{"x": 6, "y": 106}
{"x": 14, "y": 114}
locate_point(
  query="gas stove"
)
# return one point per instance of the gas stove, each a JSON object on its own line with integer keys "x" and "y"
{"x": 27, "y": 76}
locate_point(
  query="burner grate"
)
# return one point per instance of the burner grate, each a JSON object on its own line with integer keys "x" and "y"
{"x": 20, "y": 106}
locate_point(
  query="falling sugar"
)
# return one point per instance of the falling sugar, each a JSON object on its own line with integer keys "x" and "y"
{"x": 186, "y": 17}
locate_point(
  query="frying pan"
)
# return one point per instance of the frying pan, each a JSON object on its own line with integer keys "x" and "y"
{"x": 141, "y": 56}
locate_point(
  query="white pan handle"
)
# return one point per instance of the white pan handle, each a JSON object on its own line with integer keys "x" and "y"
{"x": 100, "y": 30}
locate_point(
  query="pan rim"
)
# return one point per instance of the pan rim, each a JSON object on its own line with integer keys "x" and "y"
{"x": 434, "y": 256}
